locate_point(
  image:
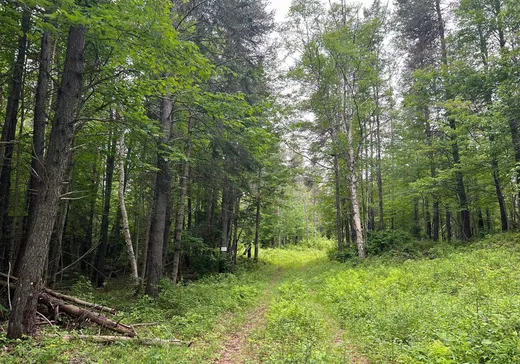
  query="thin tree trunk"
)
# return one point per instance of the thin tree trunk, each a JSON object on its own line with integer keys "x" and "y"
{"x": 22, "y": 317}
{"x": 167, "y": 229}
{"x": 481, "y": 228}
{"x": 225, "y": 212}
{"x": 124, "y": 215}
{"x": 449, "y": 232}
{"x": 257, "y": 218}
{"x": 236, "y": 235}
{"x": 89, "y": 234}
{"x": 500, "y": 196}
{"x": 338, "y": 203}
{"x": 436, "y": 222}
{"x": 146, "y": 244}
{"x": 465, "y": 217}
{"x": 417, "y": 228}
{"x": 8, "y": 137}
{"x": 379, "y": 174}
{"x": 182, "y": 202}
{"x": 99, "y": 272}
{"x": 14, "y": 224}
{"x": 489, "y": 101}
{"x": 352, "y": 179}
{"x": 427, "y": 219}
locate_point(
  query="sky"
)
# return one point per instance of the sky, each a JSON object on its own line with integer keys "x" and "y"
{"x": 281, "y": 7}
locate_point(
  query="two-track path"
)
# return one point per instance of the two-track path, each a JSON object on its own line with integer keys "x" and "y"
{"x": 237, "y": 347}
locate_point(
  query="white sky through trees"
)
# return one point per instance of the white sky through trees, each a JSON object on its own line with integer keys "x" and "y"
{"x": 281, "y": 7}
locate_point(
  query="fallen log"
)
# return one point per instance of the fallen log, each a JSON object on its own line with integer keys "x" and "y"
{"x": 78, "y": 312}
{"x": 65, "y": 297}
{"x": 77, "y": 301}
{"x": 57, "y": 305}
{"x": 116, "y": 339}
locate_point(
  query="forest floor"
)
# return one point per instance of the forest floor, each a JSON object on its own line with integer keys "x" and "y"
{"x": 295, "y": 306}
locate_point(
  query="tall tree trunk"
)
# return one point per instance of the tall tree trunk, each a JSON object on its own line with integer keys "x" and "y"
{"x": 481, "y": 228}
{"x": 500, "y": 195}
{"x": 190, "y": 213}
{"x": 40, "y": 119}
{"x": 436, "y": 222}
{"x": 14, "y": 223}
{"x": 99, "y": 273}
{"x": 432, "y": 230}
{"x": 56, "y": 249}
{"x": 22, "y": 317}
{"x": 182, "y": 201}
{"x": 236, "y": 235}
{"x": 379, "y": 177}
{"x": 338, "y": 203}
{"x": 257, "y": 218}
{"x": 465, "y": 217}
{"x": 417, "y": 228}
{"x": 427, "y": 219}
{"x": 167, "y": 229}
{"x": 8, "y": 136}
{"x": 154, "y": 265}
{"x": 489, "y": 100}
{"x": 124, "y": 215}
{"x": 352, "y": 180}
{"x": 56, "y": 246}
{"x": 146, "y": 244}
{"x": 257, "y": 229}
{"x": 89, "y": 234}
{"x": 449, "y": 232}
{"x": 225, "y": 218}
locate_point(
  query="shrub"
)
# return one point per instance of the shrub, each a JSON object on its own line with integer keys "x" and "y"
{"x": 382, "y": 241}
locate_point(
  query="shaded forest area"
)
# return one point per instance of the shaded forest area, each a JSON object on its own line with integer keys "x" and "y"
{"x": 162, "y": 139}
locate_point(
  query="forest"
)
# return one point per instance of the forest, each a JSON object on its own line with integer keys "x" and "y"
{"x": 209, "y": 181}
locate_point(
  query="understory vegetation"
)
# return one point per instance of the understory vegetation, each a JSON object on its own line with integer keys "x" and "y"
{"x": 459, "y": 305}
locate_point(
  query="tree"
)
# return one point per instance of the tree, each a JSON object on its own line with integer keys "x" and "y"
{"x": 22, "y": 317}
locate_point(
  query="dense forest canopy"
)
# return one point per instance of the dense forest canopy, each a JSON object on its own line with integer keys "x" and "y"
{"x": 154, "y": 139}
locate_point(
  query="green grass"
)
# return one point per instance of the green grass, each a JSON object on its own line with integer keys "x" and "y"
{"x": 455, "y": 306}
{"x": 460, "y": 308}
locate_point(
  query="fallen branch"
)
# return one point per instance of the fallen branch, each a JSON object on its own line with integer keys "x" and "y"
{"x": 57, "y": 305}
{"x": 76, "y": 311}
{"x": 117, "y": 339}
{"x": 65, "y": 297}
{"x": 80, "y": 302}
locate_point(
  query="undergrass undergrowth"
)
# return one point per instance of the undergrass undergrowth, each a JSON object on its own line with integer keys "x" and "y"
{"x": 202, "y": 312}
{"x": 462, "y": 307}
{"x": 453, "y": 305}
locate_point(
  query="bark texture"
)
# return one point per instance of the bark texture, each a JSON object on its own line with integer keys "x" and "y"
{"x": 22, "y": 317}
{"x": 124, "y": 214}
{"x": 8, "y": 136}
{"x": 154, "y": 265}
{"x": 179, "y": 225}
{"x": 99, "y": 273}
{"x": 38, "y": 140}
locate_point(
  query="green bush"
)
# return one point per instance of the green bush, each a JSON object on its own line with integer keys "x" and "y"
{"x": 342, "y": 255}
{"x": 386, "y": 240}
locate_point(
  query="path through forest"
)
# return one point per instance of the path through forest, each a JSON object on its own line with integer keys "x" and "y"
{"x": 290, "y": 322}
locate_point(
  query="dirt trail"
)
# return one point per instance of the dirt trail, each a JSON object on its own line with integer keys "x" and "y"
{"x": 236, "y": 346}
{"x": 233, "y": 353}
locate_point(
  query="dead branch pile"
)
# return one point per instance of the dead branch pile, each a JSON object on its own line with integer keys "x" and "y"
{"x": 58, "y": 303}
